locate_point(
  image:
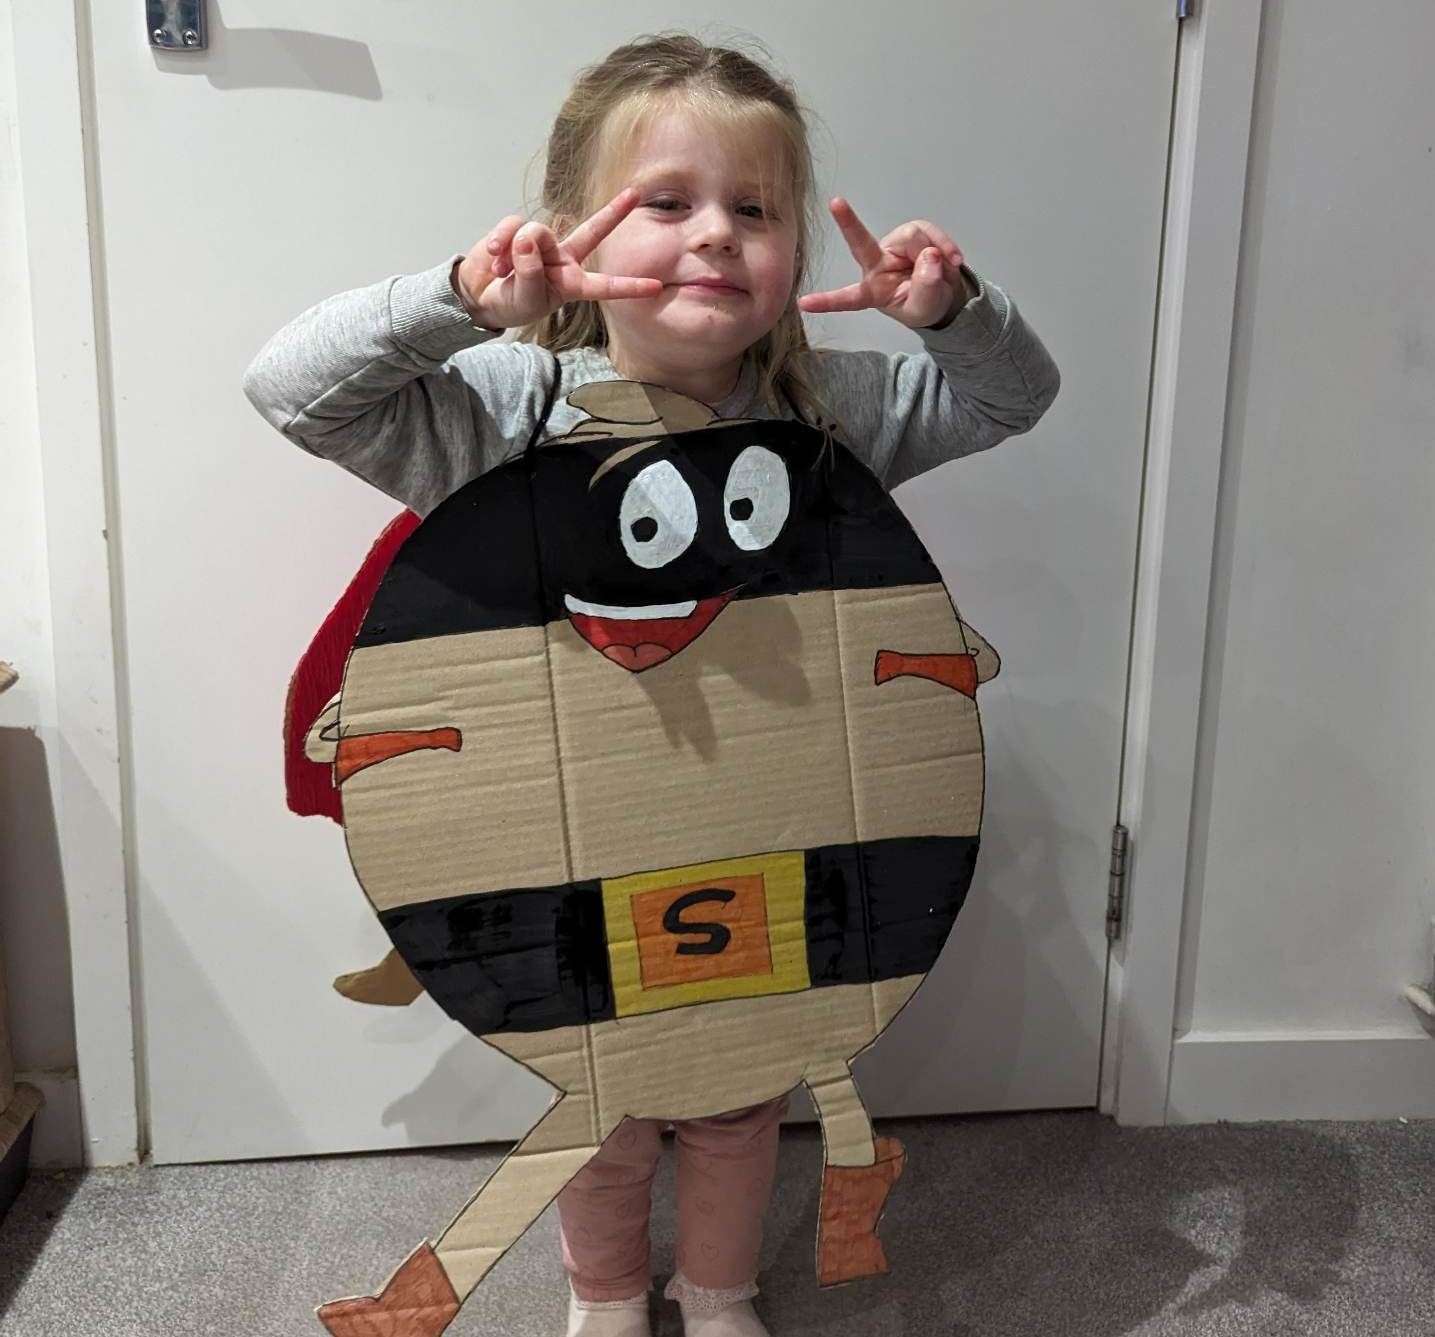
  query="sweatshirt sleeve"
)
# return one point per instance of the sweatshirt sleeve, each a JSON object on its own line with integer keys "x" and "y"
{"x": 395, "y": 383}
{"x": 984, "y": 377}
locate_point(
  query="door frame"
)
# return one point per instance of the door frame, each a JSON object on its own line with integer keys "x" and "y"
{"x": 96, "y": 1118}
{"x": 1212, "y": 101}
{"x": 1213, "y": 94}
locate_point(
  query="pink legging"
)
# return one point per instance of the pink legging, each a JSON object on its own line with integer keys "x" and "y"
{"x": 725, "y": 1169}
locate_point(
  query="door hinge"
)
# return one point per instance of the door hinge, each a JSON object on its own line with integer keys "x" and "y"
{"x": 1116, "y": 886}
{"x": 1185, "y": 9}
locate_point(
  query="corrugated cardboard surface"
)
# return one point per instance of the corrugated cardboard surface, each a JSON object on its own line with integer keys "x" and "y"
{"x": 748, "y": 1049}
{"x": 767, "y": 733}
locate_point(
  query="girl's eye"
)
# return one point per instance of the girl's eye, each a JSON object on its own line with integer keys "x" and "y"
{"x": 667, "y": 206}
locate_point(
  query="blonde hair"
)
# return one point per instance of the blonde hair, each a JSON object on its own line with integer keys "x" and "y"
{"x": 610, "y": 105}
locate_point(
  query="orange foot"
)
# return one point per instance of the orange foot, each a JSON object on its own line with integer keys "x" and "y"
{"x": 852, "y": 1200}
{"x": 418, "y": 1301}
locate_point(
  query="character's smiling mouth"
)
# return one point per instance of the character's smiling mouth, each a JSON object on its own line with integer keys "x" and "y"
{"x": 637, "y": 636}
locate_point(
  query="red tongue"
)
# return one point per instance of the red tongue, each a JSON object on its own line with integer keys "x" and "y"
{"x": 635, "y": 658}
{"x": 639, "y": 643}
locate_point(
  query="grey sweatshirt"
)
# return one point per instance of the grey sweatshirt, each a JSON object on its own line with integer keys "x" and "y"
{"x": 395, "y": 382}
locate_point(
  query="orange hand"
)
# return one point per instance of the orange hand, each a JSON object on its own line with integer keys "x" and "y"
{"x": 357, "y": 751}
{"x": 959, "y": 672}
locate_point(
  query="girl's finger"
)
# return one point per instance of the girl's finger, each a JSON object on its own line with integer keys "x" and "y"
{"x": 501, "y": 238}
{"x": 542, "y": 239}
{"x": 609, "y": 287}
{"x": 536, "y": 241}
{"x": 910, "y": 239}
{"x": 530, "y": 278}
{"x": 937, "y": 267}
{"x": 896, "y": 240}
{"x": 591, "y": 231}
{"x": 854, "y": 297}
{"x": 928, "y": 293}
{"x": 951, "y": 252}
{"x": 865, "y": 248}
{"x": 500, "y": 245}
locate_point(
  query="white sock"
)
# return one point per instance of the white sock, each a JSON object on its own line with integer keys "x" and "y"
{"x": 715, "y": 1313}
{"x": 739, "y": 1319}
{"x": 608, "y": 1318}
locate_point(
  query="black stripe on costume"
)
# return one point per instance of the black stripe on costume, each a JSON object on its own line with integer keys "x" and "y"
{"x": 536, "y": 959}
{"x": 505, "y": 548}
{"x": 510, "y": 960}
{"x": 911, "y": 888}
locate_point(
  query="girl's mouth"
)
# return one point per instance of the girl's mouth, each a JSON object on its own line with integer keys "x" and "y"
{"x": 715, "y": 289}
{"x": 638, "y": 636}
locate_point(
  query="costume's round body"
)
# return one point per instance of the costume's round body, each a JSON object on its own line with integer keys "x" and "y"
{"x": 678, "y": 783}
{"x": 659, "y": 759}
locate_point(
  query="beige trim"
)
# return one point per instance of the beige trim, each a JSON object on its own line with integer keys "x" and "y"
{"x": 514, "y": 1195}
{"x": 846, "y": 1125}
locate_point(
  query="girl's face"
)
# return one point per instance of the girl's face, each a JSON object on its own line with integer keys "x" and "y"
{"x": 699, "y": 217}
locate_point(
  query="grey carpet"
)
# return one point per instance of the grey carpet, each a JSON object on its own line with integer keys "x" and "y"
{"x": 1022, "y": 1225}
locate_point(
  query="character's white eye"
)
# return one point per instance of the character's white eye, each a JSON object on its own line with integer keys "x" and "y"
{"x": 658, "y": 517}
{"x": 757, "y": 498}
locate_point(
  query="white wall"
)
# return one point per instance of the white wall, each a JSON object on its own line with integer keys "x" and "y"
{"x": 1310, "y": 893}
{"x": 32, "y": 911}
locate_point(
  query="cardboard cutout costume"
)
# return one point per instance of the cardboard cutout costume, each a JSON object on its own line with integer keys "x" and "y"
{"x": 658, "y": 757}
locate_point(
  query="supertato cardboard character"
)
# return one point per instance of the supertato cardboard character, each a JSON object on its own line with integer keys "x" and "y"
{"x": 659, "y": 759}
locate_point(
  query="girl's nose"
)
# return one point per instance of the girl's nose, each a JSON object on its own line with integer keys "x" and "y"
{"x": 713, "y": 226}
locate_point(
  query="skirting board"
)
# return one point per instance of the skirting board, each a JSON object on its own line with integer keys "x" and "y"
{"x": 59, "y": 1140}
{"x": 1243, "y": 1077}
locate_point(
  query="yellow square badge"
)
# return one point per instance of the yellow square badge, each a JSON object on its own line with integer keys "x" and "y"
{"x": 730, "y": 928}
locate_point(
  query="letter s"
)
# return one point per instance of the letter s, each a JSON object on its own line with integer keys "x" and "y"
{"x": 719, "y": 935}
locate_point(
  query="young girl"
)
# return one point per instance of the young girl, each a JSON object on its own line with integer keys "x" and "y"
{"x": 687, "y": 277}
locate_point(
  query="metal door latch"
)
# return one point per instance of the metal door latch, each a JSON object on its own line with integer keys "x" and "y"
{"x": 176, "y": 25}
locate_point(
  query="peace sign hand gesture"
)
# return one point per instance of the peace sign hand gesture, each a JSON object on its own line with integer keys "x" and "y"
{"x": 520, "y": 271}
{"x": 913, "y": 274}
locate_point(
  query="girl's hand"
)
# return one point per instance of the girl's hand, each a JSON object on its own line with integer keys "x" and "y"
{"x": 913, "y": 274}
{"x": 520, "y": 271}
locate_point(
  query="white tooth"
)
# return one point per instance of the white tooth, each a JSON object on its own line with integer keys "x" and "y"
{"x": 636, "y": 612}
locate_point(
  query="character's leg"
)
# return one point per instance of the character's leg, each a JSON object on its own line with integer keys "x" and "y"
{"x": 725, "y": 1168}
{"x": 422, "y": 1297}
{"x": 860, "y": 1170}
{"x": 603, "y": 1215}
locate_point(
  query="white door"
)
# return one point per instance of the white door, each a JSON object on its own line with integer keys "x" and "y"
{"x": 315, "y": 149}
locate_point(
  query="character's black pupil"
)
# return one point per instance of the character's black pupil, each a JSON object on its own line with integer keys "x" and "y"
{"x": 644, "y": 528}
{"x": 741, "y": 509}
